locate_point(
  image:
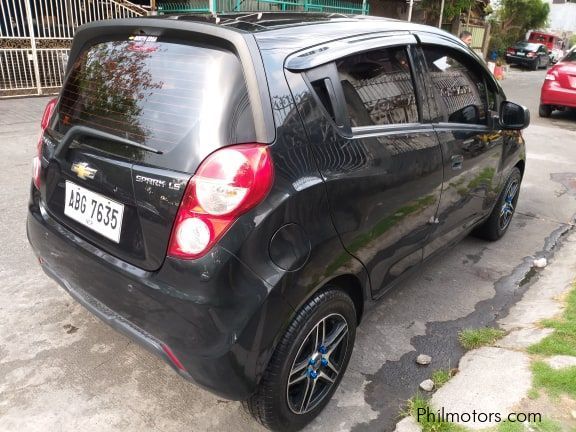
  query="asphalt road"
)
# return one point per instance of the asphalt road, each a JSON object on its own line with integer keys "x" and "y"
{"x": 63, "y": 370}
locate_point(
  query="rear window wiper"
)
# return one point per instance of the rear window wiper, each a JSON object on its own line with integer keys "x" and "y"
{"x": 79, "y": 130}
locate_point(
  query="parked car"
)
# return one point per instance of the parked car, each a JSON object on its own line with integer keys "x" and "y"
{"x": 234, "y": 192}
{"x": 554, "y": 44}
{"x": 531, "y": 55}
{"x": 559, "y": 88}
{"x": 555, "y": 55}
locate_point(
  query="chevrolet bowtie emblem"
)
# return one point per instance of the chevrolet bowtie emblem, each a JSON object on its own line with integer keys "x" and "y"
{"x": 83, "y": 171}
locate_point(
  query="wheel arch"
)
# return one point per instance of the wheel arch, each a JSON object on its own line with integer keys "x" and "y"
{"x": 521, "y": 165}
{"x": 351, "y": 285}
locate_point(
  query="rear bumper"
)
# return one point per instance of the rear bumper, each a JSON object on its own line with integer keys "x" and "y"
{"x": 553, "y": 94}
{"x": 204, "y": 318}
{"x": 520, "y": 61}
{"x": 118, "y": 323}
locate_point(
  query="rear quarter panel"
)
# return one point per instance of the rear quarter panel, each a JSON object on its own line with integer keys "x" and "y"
{"x": 298, "y": 198}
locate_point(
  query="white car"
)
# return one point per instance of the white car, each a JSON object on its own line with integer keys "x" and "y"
{"x": 556, "y": 54}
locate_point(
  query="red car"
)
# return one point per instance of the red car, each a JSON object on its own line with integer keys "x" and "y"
{"x": 559, "y": 88}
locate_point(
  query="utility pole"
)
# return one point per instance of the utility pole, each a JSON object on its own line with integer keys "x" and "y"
{"x": 410, "y": 6}
{"x": 34, "y": 57}
{"x": 441, "y": 14}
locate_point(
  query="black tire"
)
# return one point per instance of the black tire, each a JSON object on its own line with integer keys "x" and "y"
{"x": 534, "y": 65}
{"x": 275, "y": 402}
{"x": 500, "y": 218}
{"x": 544, "y": 111}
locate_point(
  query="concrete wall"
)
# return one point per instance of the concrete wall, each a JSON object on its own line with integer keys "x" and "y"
{"x": 562, "y": 17}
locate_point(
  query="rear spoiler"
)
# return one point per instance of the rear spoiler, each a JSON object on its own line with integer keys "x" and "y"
{"x": 240, "y": 43}
{"x": 78, "y": 130}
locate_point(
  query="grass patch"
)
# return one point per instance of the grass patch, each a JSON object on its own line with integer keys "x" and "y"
{"x": 511, "y": 427}
{"x": 476, "y": 338}
{"x": 563, "y": 340}
{"x": 533, "y": 394}
{"x": 544, "y": 426}
{"x": 555, "y": 381}
{"x": 441, "y": 377}
{"x": 418, "y": 407}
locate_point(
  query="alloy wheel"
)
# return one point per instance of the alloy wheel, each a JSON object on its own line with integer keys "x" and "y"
{"x": 507, "y": 209}
{"x": 318, "y": 364}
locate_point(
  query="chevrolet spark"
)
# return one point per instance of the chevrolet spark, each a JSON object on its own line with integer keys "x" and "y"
{"x": 235, "y": 191}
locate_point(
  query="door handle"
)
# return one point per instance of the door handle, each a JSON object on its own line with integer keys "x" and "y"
{"x": 457, "y": 161}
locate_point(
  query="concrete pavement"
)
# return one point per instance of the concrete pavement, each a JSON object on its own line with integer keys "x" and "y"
{"x": 497, "y": 379}
{"x": 62, "y": 369}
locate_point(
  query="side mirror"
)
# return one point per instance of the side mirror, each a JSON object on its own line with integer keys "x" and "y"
{"x": 513, "y": 116}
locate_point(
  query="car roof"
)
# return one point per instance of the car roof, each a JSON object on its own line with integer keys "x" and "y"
{"x": 295, "y": 30}
{"x": 255, "y": 22}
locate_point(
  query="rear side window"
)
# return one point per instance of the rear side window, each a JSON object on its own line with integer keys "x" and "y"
{"x": 459, "y": 87}
{"x": 319, "y": 87}
{"x": 159, "y": 94}
{"x": 378, "y": 88}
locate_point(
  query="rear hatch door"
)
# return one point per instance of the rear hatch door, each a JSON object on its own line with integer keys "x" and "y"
{"x": 135, "y": 118}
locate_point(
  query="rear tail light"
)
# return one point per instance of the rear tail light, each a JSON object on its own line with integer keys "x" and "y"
{"x": 530, "y": 54}
{"x": 227, "y": 184}
{"x": 511, "y": 51}
{"x": 37, "y": 160}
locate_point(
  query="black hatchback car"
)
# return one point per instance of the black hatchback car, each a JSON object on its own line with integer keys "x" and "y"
{"x": 234, "y": 192}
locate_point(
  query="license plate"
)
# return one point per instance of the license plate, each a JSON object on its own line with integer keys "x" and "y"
{"x": 520, "y": 54}
{"x": 94, "y": 211}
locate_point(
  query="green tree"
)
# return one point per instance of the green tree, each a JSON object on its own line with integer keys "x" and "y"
{"x": 522, "y": 15}
{"x": 514, "y": 18}
{"x": 452, "y": 9}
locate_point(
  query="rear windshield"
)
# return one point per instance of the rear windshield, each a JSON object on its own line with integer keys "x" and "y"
{"x": 158, "y": 93}
{"x": 527, "y": 46}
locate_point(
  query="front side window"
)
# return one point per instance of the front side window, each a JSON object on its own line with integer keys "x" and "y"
{"x": 459, "y": 87}
{"x": 378, "y": 87}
